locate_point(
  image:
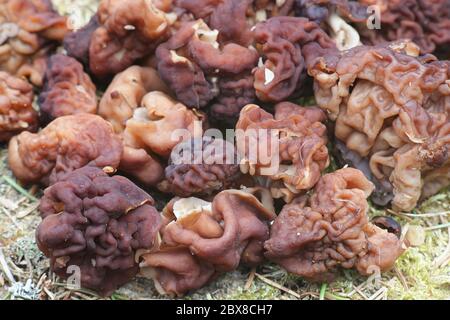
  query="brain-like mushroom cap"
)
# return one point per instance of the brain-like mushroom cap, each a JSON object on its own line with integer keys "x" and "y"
{"x": 192, "y": 59}
{"x": 425, "y": 22}
{"x": 29, "y": 29}
{"x": 16, "y": 110}
{"x": 96, "y": 223}
{"x": 312, "y": 237}
{"x": 66, "y": 144}
{"x": 290, "y": 146}
{"x": 217, "y": 235}
{"x": 125, "y": 94}
{"x": 67, "y": 89}
{"x": 126, "y": 32}
{"x": 392, "y": 107}
{"x": 201, "y": 166}
{"x": 288, "y": 44}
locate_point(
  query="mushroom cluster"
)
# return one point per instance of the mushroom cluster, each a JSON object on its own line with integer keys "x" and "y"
{"x": 229, "y": 126}
{"x": 29, "y": 32}
{"x": 392, "y": 108}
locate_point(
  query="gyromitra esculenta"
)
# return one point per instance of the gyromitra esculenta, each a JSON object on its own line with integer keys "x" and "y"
{"x": 314, "y": 236}
{"x": 192, "y": 62}
{"x": 425, "y": 22}
{"x": 67, "y": 89}
{"x": 201, "y": 166}
{"x": 200, "y": 239}
{"x": 66, "y": 144}
{"x": 93, "y": 225}
{"x": 155, "y": 128}
{"x": 391, "y": 107}
{"x": 120, "y": 33}
{"x": 29, "y": 29}
{"x": 16, "y": 110}
{"x": 288, "y": 149}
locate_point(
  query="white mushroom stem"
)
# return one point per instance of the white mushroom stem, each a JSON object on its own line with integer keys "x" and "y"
{"x": 345, "y": 36}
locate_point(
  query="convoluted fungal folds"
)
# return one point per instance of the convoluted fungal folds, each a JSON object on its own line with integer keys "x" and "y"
{"x": 67, "y": 89}
{"x": 66, "y": 144}
{"x": 192, "y": 61}
{"x": 288, "y": 149}
{"x": 29, "y": 30}
{"x": 200, "y": 239}
{"x": 16, "y": 110}
{"x": 201, "y": 166}
{"x": 93, "y": 225}
{"x": 391, "y": 106}
{"x": 313, "y": 237}
{"x": 425, "y": 22}
{"x": 287, "y": 45}
{"x": 120, "y": 34}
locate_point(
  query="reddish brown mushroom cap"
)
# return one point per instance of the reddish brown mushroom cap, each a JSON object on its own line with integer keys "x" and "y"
{"x": 30, "y": 31}
{"x": 96, "y": 223}
{"x": 16, "y": 110}
{"x": 67, "y": 89}
{"x": 313, "y": 237}
{"x": 390, "y": 106}
{"x": 212, "y": 237}
{"x": 66, "y": 144}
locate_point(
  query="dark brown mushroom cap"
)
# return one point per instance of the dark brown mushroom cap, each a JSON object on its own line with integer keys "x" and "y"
{"x": 288, "y": 44}
{"x": 97, "y": 223}
{"x": 191, "y": 175}
{"x": 77, "y": 42}
{"x": 314, "y": 236}
{"x": 16, "y": 110}
{"x": 201, "y": 239}
{"x": 67, "y": 89}
{"x": 425, "y": 22}
{"x": 119, "y": 34}
{"x": 192, "y": 61}
{"x": 319, "y": 10}
{"x": 66, "y": 144}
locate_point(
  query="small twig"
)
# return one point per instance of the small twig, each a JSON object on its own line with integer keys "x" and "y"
{"x": 332, "y": 296}
{"x": 358, "y": 290}
{"x": 426, "y": 215}
{"x": 250, "y": 279}
{"x": 439, "y": 226}
{"x": 5, "y": 268}
{"x": 400, "y": 215}
{"x": 27, "y": 211}
{"x": 278, "y": 286}
{"x": 379, "y": 292}
{"x": 13, "y": 220}
{"x": 443, "y": 259}
{"x": 401, "y": 277}
{"x": 18, "y": 188}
